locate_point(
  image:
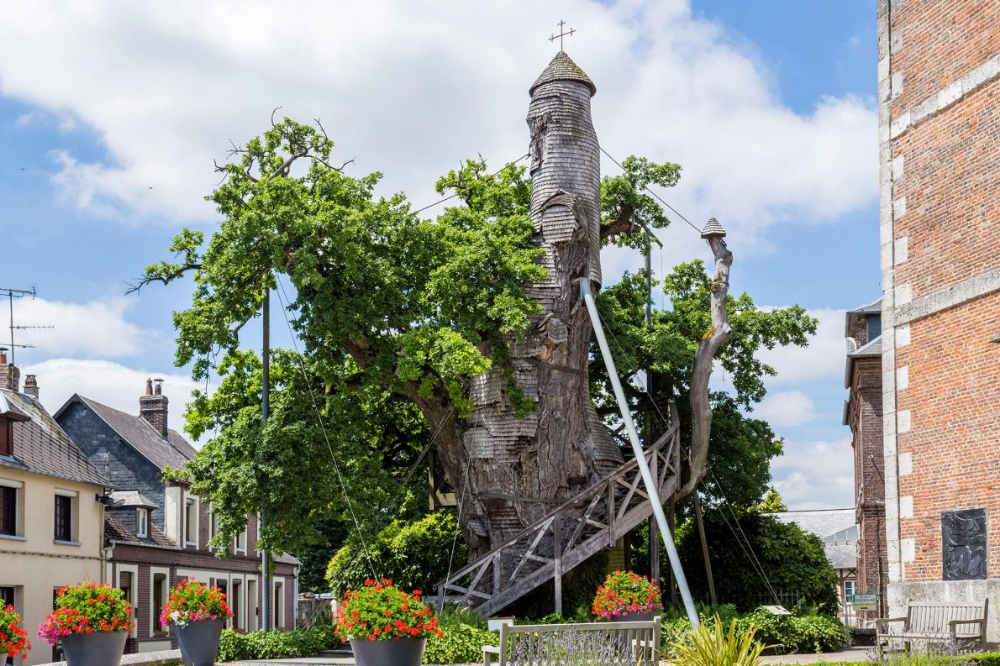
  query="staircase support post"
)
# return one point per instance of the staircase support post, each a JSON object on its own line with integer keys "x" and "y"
{"x": 651, "y": 487}
{"x": 558, "y": 574}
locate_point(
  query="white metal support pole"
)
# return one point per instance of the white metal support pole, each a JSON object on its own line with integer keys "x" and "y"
{"x": 640, "y": 456}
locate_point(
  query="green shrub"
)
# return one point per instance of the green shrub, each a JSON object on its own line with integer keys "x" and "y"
{"x": 235, "y": 646}
{"x": 794, "y": 561}
{"x": 798, "y": 633}
{"x": 465, "y": 634}
{"x": 413, "y": 555}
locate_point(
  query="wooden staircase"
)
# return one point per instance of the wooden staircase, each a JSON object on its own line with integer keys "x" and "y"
{"x": 578, "y": 528}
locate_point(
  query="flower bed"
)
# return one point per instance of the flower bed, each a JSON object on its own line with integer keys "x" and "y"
{"x": 13, "y": 637}
{"x": 85, "y": 609}
{"x": 380, "y": 611}
{"x": 192, "y": 601}
{"x": 625, "y": 592}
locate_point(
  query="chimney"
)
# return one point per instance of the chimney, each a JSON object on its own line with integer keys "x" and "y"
{"x": 10, "y": 376}
{"x": 31, "y": 386}
{"x": 153, "y": 406}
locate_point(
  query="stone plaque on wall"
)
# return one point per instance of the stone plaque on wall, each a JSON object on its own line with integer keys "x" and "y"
{"x": 963, "y": 535}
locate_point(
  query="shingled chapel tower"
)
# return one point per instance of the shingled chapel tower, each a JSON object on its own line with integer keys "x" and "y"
{"x": 519, "y": 463}
{"x": 939, "y": 133}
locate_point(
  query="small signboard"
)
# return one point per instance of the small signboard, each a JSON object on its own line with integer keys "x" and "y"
{"x": 863, "y": 602}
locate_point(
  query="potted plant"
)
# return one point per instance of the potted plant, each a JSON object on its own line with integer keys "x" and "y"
{"x": 92, "y": 621}
{"x": 627, "y": 596}
{"x": 385, "y": 625}
{"x": 13, "y": 638}
{"x": 198, "y": 613}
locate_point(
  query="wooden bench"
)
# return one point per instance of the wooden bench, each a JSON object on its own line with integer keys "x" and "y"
{"x": 595, "y": 643}
{"x": 960, "y": 625}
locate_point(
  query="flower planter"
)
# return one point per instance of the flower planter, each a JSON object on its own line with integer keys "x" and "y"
{"x": 398, "y": 652}
{"x": 3, "y": 658}
{"x": 101, "y": 648}
{"x": 637, "y": 616}
{"x": 199, "y": 642}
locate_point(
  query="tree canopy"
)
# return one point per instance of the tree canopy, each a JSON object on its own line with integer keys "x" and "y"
{"x": 396, "y": 315}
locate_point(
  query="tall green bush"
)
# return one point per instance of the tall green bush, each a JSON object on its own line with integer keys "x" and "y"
{"x": 412, "y": 554}
{"x": 793, "y": 560}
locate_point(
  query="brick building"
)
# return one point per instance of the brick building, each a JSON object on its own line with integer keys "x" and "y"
{"x": 158, "y": 533}
{"x": 940, "y": 251}
{"x": 863, "y": 414}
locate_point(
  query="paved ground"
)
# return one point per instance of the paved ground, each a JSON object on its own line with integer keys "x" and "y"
{"x": 854, "y": 654}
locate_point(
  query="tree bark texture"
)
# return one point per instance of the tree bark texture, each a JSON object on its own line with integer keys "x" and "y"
{"x": 517, "y": 463}
{"x": 714, "y": 340}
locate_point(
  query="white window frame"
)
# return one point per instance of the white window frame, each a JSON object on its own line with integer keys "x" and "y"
{"x": 134, "y": 570}
{"x": 18, "y": 487}
{"x": 190, "y": 529}
{"x": 142, "y": 523}
{"x": 242, "y": 536}
{"x": 74, "y": 516}
{"x": 854, "y": 589}
{"x": 155, "y": 612}
{"x": 278, "y": 602}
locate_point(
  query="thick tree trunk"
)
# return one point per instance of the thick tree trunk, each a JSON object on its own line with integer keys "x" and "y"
{"x": 520, "y": 466}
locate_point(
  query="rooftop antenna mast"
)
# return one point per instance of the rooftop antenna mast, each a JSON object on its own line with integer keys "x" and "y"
{"x": 12, "y": 293}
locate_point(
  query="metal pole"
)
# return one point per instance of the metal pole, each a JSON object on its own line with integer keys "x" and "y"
{"x": 654, "y": 537}
{"x": 265, "y": 408}
{"x": 640, "y": 457}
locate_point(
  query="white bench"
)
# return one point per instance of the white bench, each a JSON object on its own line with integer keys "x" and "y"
{"x": 595, "y": 643}
{"x": 962, "y": 625}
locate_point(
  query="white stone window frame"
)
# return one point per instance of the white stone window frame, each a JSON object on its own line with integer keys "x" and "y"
{"x": 191, "y": 527}
{"x": 74, "y": 516}
{"x": 155, "y": 612}
{"x": 142, "y": 523}
{"x": 242, "y": 536}
{"x": 134, "y": 592}
{"x": 278, "y": 602}
{"x": 18, "y": 487}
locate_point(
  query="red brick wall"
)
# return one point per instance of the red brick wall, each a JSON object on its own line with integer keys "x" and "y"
{"x": 866, "y": 428}
{"x": 954, "y": 438}
{"x": 939, "y": 42}
{"x": 951, "y": 185}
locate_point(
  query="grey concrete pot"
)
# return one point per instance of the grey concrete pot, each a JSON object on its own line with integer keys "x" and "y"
{"x": 399, "y": 652}
{"x": 199, "y": 642}
{"x": 101, "y": 648}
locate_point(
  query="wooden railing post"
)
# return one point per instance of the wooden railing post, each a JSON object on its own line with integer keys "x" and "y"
{"x": 557, "y": 554}
{"x": 612, "y": 512}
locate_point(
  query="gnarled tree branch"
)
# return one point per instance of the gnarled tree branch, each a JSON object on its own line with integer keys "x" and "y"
{"x": 717, "y": 337}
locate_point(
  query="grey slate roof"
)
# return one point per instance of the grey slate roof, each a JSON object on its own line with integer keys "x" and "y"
{"x": 871, "y": 350}
{"x": 825, "y": 524}
{"x": 562, "y": 68}
{"x": 41, "y": 446}
{"x": 875, "y": 307}
{"x": 173, "y": 451}
{"x": 116, "y": 532}
{"x": 124, "y": 498}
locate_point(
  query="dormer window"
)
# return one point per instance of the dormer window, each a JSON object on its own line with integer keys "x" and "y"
{"x": 6, "y": 437}
{"x": 142, "y": 523}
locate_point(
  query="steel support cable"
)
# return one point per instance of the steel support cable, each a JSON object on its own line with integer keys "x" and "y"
{"x": 452, "y": 196}
{"x": 454, "y": 543}
{"x": 752, "y": 554}
{"x": 319, "y": 417}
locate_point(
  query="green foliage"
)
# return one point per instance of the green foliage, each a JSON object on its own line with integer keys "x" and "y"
{"x": 464, "y": 635}
{"x": 798, "y": 633}
{"x": 794, "y": 561}
{"x": 624, "y": 197}
{"x": 413, "y": 554}
{"x": 380, "y": 611}
{"x": 235, "y": 646}
{"x": 772, "y": 502}
{"x": 713, "y": 644}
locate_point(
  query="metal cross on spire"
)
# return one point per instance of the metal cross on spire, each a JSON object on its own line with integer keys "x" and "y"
{"x": 562, "y": 33}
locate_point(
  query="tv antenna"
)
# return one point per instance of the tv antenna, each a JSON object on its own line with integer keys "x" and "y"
{"x": 12, "y": 293}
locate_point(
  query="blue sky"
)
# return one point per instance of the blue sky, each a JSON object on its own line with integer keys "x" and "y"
{"x": 111, "y": 113}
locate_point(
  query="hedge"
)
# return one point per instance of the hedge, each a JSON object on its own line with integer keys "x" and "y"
{"x": 235, "y": 646}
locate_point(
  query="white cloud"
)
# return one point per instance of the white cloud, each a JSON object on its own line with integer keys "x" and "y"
{"x": 822, "y": 360}
{"x": 786, "y": 409}
{"x": 411, "y": 88}
{"x": 109, "y": 383}
{"x": 816, "y": 475}
{"x": 95, "y": 328}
